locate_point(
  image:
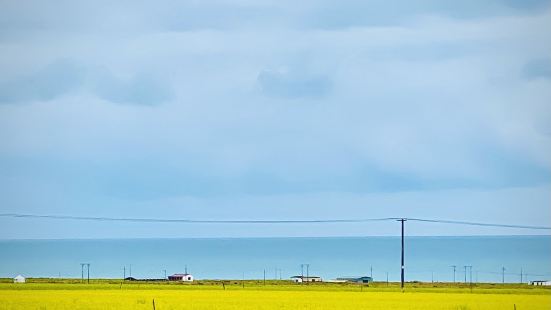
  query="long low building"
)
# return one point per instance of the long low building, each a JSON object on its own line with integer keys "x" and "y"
{"x": 300, "y": 279}
{"x": 185, "y": 277}
{"x": 356, "y": 279}
{"x": 541, "y": 283}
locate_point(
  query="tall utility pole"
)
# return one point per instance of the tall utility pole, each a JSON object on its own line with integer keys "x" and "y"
{"x": 465, "y": 272}
{"x": 264, "y": 277}
{"x": 307, "y": 273}
{"x": 82, "y": 272}
{"x": 302, "y": 273}
{"x": 470, "y": 273}
{"x": 402, "y": 265}
{"x": 521, "y": 275}
{"x": 386, "y": 278}
{"x": 124, "y": 272}
{"x": 453, "y": 266}
{"x": 371, "y": 270}
{"x": 88, "y": 269}
{"x": 503, "y": 275}
{"x": 130, "y": 270}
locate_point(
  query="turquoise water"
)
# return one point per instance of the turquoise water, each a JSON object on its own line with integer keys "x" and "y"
{"x": 427, "y": 258}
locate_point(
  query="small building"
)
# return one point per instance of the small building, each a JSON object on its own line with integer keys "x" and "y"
{"x": 300, "y": 279}
{"x": 19, "y": 279}
{"x": 357, "y": 279}
{"x": 541, "y": 283}
{"x": 185, "y": 277}
{"x": 335, "y": 281}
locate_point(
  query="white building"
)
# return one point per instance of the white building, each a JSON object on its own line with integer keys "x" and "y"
{"x": 185, "y": 277}
{"x": 19, "y": 279}
{"x": 541, "y": 283}
{"x": 300, "y": 279}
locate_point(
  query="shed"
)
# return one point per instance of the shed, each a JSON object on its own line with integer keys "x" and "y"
{"x": 300, "y": 279}
{"x": 19, "y": 279}
{"x": 185, "y": 277}
{"x": 541, "y": 283}
{"x": 363, "y": 279}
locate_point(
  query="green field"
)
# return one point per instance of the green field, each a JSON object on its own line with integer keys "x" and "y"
{"x": 113, "y": 294}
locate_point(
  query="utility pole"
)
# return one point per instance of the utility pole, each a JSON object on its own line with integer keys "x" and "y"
{"x": 88, "y": 265}
{"x": 386, "y": 278}
{"x": 302, "y": 273}
{"x": 453, "y": 266}
{"x": 264, "y": 277}
{"x": 124, "y": 272}
{"x": 130, "y": 270}
{"x": 165, "y": 273}
{"x": 371, "y": 269}
{"x": 503, "y": 275}
{"x": 82, "y": 272}
{"x": 432, "y": 277}
{"x": 470, "y": 274}
{"x": 307, "y": 273}
{"x": 402, "y": 265}
{"x": 465, "y": 272}
{"x": 521, "y": 275}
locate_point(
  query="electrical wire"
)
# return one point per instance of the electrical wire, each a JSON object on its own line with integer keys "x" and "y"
{"x": 244, "y": 221}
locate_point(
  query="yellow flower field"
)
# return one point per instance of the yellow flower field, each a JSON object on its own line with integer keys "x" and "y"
{"x": 263, "y": 299}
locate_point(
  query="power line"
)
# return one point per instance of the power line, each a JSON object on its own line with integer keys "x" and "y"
{"x": 479, "y": 224}
{"x": 159, "y": 220}
{"x": 307, "y": 221}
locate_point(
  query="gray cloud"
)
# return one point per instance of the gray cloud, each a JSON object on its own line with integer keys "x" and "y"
{"x": 141, "y": 89}
{"x": 150, "y": 16}
{"x": 64, "y": 76}
{"x": 538, "y": 68}
{"x": 284, "y": 84}
{"x": 56, "y": 79}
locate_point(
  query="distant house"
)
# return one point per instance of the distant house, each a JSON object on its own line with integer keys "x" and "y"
{"x": 357, "y": 279}
{"x": 185, "y": 277}
{"x": 541, "y": 283}
{"x": 300, "y": 279}
{"x": 19, "y": 279}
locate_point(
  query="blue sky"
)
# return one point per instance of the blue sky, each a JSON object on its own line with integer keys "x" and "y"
{"x": 274, "y": 110}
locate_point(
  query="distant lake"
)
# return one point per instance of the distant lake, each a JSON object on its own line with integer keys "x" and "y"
{"x": 427, "y": 258}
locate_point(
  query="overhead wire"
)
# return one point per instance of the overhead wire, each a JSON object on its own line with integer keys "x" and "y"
{"x": 254, "y": 221}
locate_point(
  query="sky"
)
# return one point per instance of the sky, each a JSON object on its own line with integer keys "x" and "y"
{"x": 274, "y": 110}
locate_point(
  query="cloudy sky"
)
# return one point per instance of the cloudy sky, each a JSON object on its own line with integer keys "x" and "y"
{"x": 274, "y": 110}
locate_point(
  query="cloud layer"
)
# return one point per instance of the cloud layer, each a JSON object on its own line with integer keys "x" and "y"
{"x": 126, "y": 106}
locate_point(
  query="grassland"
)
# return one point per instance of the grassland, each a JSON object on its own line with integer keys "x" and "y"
{"x": 112, "y": 294}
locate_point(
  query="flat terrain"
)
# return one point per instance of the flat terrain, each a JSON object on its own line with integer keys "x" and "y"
{"x": 110, "y": 294}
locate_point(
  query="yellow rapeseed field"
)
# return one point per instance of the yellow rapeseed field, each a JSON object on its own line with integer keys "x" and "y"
{"x": 165, "y": 299}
